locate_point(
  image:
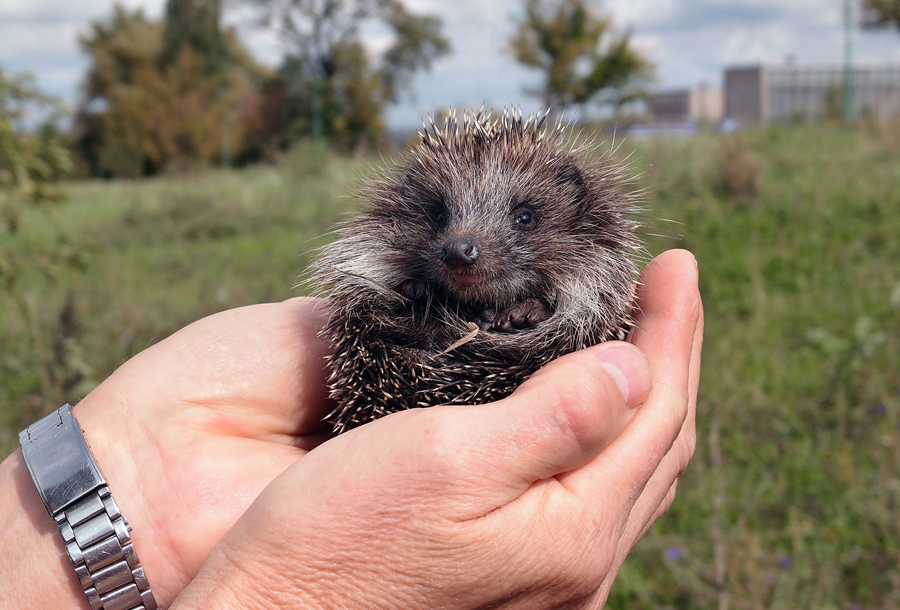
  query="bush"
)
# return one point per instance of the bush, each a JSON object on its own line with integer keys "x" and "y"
{"x": 740, "y": 170}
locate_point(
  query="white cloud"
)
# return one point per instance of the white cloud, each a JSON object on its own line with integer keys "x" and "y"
{"x": 20, "y": 8}
{"x": 748, "y": 46}
{"x": 690, "y": 41}
{"x": 83, "y": 10}
{"x": 43, "y": 42}
{"x": 632, "y": 13}
{"x": 648, "y": 45}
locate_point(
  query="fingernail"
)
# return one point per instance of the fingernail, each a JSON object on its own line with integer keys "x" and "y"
{"x": 629, "y": 369}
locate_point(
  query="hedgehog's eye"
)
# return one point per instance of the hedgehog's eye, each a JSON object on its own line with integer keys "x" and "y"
{"x": 438, "y": 215}
{"x": 523, "y": 217}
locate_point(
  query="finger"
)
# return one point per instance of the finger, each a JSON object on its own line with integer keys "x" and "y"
{"x": 278, "y": 363}
{"x": 660, "y": 489}
{"x": 659, "y": 492}
{"x": 661, "y": 509}
{"x": 266, "y": 360}
{"x": 668, "y": 308}
{"x": 561, "y": 418}
{"x": 635, "y": 532}
{"x": 669, "y": 315}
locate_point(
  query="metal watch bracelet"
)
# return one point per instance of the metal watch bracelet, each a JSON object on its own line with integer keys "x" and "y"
{"x": 76, "y": 496}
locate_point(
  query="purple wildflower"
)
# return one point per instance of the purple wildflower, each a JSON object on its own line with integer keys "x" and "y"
{"x": 673, "y": 553}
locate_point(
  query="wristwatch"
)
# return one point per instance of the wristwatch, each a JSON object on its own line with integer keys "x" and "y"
{"x": 77, "y": 497}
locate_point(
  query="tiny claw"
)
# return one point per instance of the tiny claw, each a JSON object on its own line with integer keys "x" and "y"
{"x": 526, "y": 314}
{"x": 414, "y": 290}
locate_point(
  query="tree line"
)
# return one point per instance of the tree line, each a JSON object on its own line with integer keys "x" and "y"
{"x": 185, "y": 88}
{"x": 159, "y": 92}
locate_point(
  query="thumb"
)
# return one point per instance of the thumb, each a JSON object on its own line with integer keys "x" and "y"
{"x": 558, "y": 420}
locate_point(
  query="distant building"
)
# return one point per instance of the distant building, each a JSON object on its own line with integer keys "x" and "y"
{"x": 761, "y": 94}
{"x": 703, "y": 104}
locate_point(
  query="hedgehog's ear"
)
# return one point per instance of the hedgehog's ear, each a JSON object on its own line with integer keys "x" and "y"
{"x": 419, "y": 196}
{"x": 410, "y": 185}
{"x": 569, "y": 174}
{"x": 572, "y": 179}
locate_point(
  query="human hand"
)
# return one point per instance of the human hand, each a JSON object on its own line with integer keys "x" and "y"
{"x": 534, "y": 501}
{"x": 187, "y": 433}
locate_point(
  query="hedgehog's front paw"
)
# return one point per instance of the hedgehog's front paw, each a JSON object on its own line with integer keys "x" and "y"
{"x": 414, "y": 290}
{"x": 478, "y": 314}
{"x": 526, "y": 314}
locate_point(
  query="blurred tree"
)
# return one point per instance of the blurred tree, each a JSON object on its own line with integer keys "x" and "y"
{"x": 33, "y": 155}
{"x": 330, "y": 81}
{"x": 879, "y": 13}
{"x": 142, "y": 114}
{"x": 32, "y": 152}
{"x": 195, "y": 23}
{"x": 350, "y": 102}
{"x": 581, "y": 58}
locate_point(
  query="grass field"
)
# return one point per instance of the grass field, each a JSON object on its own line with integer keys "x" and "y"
{"x": 793, "y": 498}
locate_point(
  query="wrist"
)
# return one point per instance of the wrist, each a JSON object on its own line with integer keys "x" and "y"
{"x": 124, "y": 454}
{"x": 37, "y": 572}
{"x": 76, "y": 496}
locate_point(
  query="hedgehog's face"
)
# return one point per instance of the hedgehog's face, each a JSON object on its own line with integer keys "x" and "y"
{"x": 492, "y": 229}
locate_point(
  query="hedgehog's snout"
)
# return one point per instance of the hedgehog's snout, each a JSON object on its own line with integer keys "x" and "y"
{"x": 459, "y": 252}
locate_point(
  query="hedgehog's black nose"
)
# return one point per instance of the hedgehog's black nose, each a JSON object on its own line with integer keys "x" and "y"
{"x": 459, "y": 252}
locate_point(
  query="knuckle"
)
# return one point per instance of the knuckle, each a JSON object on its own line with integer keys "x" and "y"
{"x": 438, "y": 450}
{"x": 575, "y": 404}
{"x": 419, "y": 423}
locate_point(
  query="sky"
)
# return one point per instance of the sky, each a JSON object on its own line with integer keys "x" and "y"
{"x": 689, "y": 41}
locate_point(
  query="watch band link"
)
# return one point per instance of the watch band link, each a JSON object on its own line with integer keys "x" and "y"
{"x": 95, "y": 532}
{"x": 98, "y": 543}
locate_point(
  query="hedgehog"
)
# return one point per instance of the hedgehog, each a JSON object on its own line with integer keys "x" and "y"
{"x": 495, "y": 245}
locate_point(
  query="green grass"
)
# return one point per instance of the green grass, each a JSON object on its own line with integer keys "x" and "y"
{"x": 793, "y": 498}
{"x": 801, "y": 286}
{"x": 122, "y": 265}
